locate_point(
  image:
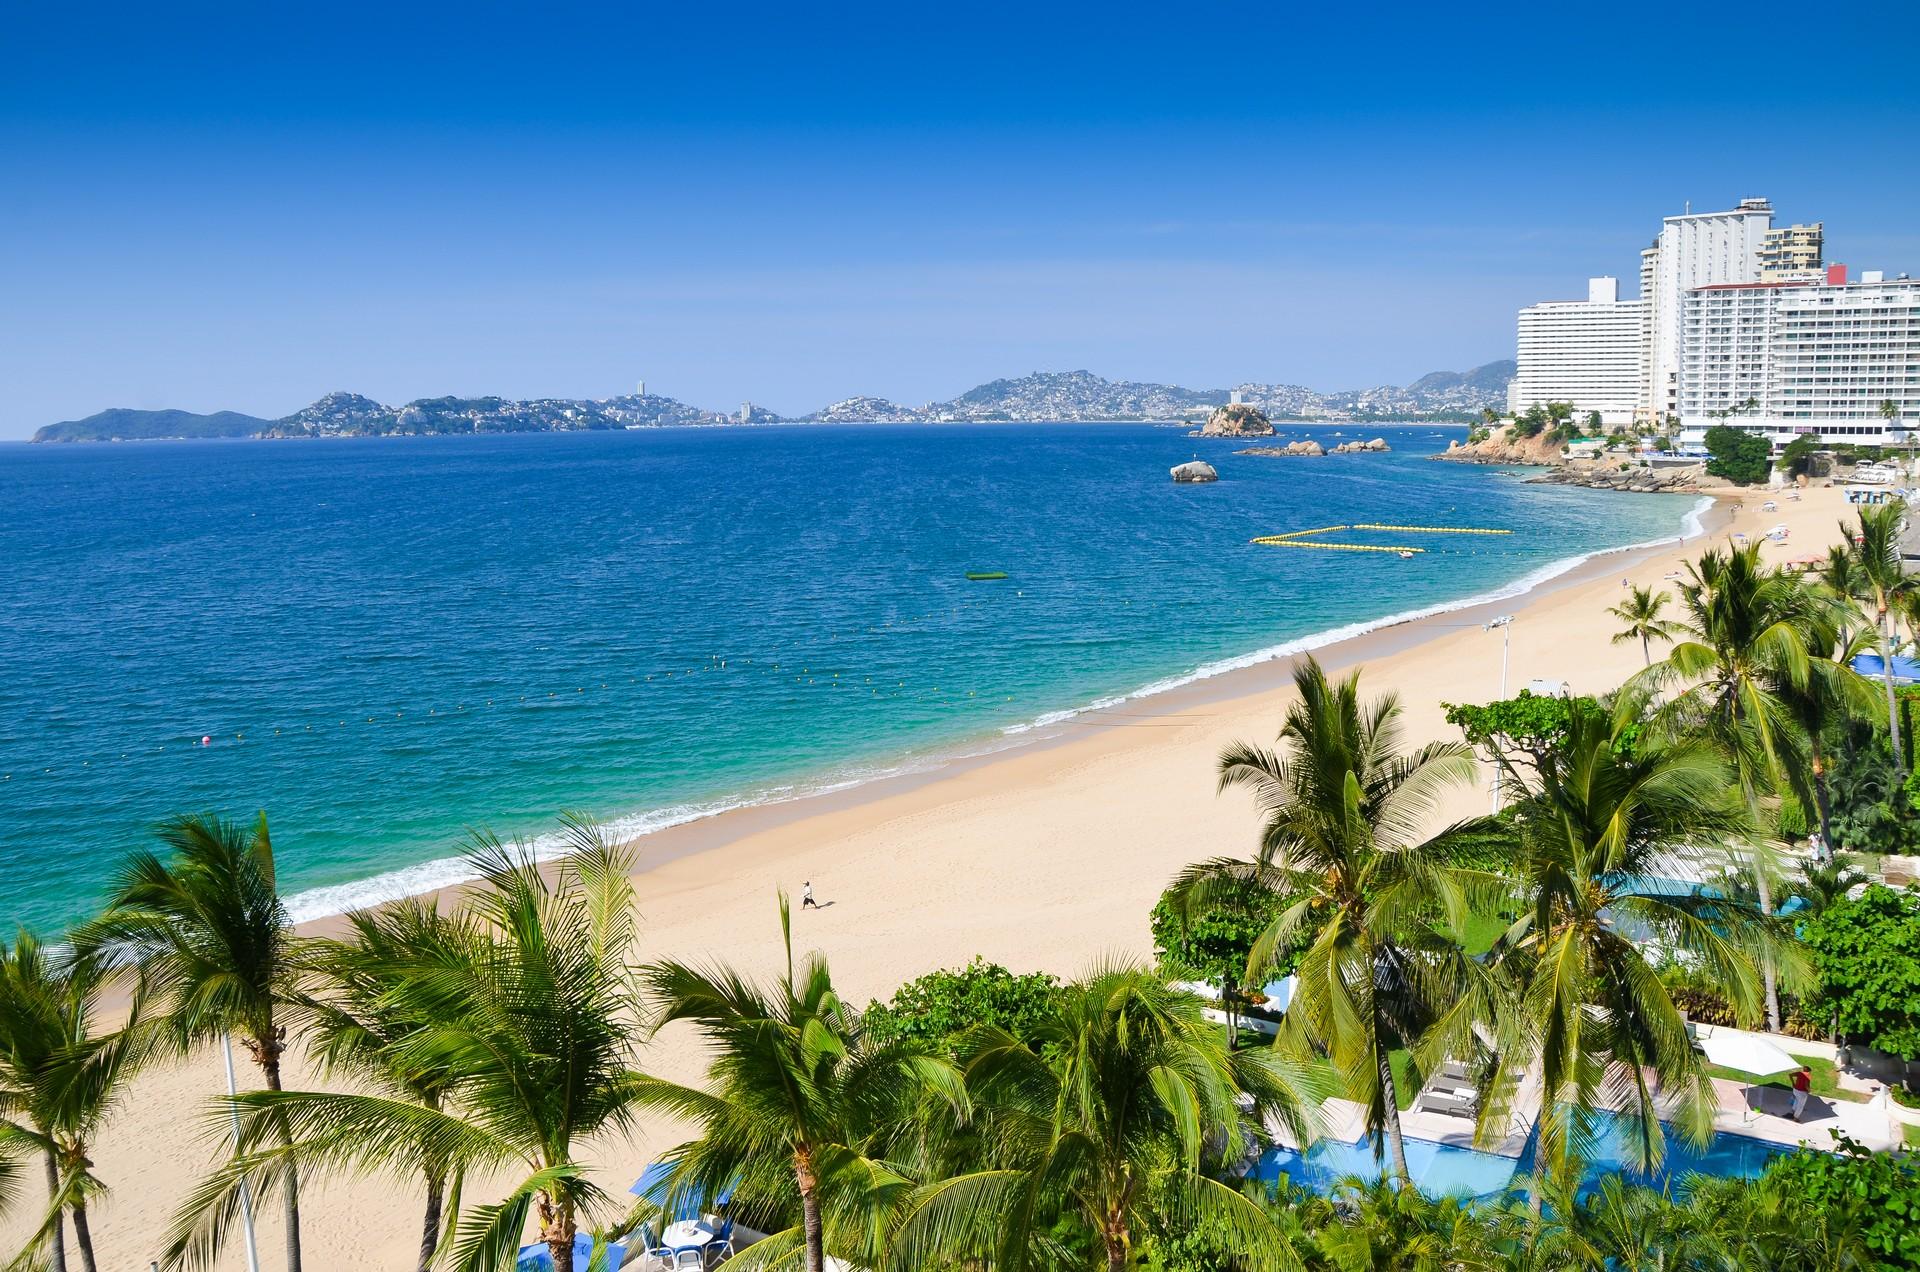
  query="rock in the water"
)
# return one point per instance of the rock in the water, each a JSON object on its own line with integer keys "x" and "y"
{"x": 1238, "y": 420}
{"x": 1356, "y": 446}
{"x": 1307, "y": 447}
{"x": 1195, "y": 470}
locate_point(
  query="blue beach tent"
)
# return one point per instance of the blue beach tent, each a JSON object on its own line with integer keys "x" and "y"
{"x": 1903, "y": 668}
{"x": 535, "y": 1258}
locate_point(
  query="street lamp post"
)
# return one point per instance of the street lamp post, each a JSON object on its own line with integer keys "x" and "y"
{"x": 1505, "y": 624}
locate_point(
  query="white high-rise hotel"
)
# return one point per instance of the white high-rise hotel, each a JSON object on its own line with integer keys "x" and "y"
{"x": 1589, "y": 352}
{"x": 1738, "y": 325}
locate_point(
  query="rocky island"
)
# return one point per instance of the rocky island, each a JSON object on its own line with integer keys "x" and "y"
{"x": 1310, "y": 447}
{"x": 1237, "y": 420}
{"x": 1194, "y": 471}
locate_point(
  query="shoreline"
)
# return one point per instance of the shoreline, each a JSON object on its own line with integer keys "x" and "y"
{"x": 1211, "y": 683}
{"x": 1047, "y": 856}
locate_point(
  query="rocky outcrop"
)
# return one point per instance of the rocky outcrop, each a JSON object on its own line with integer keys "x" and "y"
{"x": 1614, "y": 474}
{"x": 1237, "y": 421}
{"x": 1357, "y": 447}
{"x": 1308, "y": 447}
{"x": 1194, "y": 470}
{"x": 1503, "y": 447}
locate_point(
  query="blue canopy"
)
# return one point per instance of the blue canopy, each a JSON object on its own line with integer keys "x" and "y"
{"x": 535, "y": 1258}
{"x": 652, "y": 1186}
{"x": 1903, "y": 668}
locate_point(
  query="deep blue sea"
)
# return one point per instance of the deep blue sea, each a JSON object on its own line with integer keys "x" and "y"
{"x": 391, "y": 640}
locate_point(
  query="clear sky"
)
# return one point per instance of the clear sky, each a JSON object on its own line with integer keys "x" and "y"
{"x": 247, "y": 206}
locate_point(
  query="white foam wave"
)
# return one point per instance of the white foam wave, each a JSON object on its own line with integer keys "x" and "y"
{"x": 444, "y": 872}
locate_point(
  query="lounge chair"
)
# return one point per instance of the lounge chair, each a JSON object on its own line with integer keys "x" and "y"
{"x": 720, "y": 1249}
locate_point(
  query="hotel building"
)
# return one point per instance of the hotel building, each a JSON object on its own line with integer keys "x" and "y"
{"x": 1813, "y": 356}
{"x": 1590, "y": 353}
{"x": 1695, "y": 249}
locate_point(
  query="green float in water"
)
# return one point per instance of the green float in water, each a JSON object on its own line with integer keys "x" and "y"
{"x": 981, "y": 576}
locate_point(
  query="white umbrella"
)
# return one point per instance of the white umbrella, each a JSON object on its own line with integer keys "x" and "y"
{"x": 1746, "y": 1053}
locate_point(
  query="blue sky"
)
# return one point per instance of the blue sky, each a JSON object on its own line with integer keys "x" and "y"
{"x": 247, "y": 206}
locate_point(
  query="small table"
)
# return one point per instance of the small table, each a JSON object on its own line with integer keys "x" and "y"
{"x": 688, "y": 1234}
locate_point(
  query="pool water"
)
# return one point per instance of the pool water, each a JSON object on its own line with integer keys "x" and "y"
{"x": 1442, "y": 1170}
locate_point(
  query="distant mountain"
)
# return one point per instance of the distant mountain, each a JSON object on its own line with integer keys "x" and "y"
{"x": 121, "y": 424}
{"x": 1044, "y": 396}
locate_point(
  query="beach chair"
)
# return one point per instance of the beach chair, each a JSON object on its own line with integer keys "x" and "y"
{"x": 654, "y": 1257}
{"x": 720, "y": 1249}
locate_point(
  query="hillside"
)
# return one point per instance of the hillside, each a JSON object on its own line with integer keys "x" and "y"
{"x": 123, "y": 424}
{"x": 1043, "y": 396}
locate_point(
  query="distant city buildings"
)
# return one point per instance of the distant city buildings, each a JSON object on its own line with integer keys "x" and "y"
{"x": 1739, "y": 323}
{"x": 1589, "y": 352}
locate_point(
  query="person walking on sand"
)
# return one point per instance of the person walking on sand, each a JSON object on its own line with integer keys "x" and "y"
{"x": 806, "y": 896}
{"x": 1802, "y": 1088}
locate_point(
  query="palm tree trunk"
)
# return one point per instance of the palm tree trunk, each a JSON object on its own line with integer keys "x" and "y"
{"x": 810, "y": 1208}
{"x": 1118, "y": 1247}
{"x": 83, "y": 1237}
{"x": 1886, "y": 679}
{"x": 1390, "y": 1101}
{"x": 269, "y": 1053}
{"x": 58, "y": 1246}
{"x": 1822, "y": 804}
{"x": 430, "y": 1230}
{"x": 557, "y": 1230}
{"x": 1646, "y": 648}
{"x": 1765, "y": 886}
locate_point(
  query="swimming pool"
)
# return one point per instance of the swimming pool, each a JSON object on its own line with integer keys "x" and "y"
{"x": 1442, "y": 1170}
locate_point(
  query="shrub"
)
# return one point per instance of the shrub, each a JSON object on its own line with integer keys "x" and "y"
{"x": 1737, "y": 455}
{"x": 1866, "y": 963}
{"x": 1212, "y": 940}
{"x": 940, "y": 1005}
{"x": 1879, "y": 1191}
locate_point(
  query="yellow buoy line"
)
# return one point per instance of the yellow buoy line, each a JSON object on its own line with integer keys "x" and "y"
{"x": 1304, "y": 538}
{"x": 1370, "y": 525}
{"x": 1286, "y": 541}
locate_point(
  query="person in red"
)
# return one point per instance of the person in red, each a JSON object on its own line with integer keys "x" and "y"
{"x": 1802, "y": 1088}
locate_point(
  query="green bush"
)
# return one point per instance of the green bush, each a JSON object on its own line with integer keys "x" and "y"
{"x": 940, "y": 1005}
{"x": 1866, "y": 964}
{"x": 1737, "y": 455}
{"x": 1879, "y": 1191}
{"x": 1211, "y": 941}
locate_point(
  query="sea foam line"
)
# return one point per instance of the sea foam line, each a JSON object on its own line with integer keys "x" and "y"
{"x": 446, "y": 872}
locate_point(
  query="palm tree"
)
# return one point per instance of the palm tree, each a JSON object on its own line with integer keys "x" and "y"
{"x": 1598, "y": 820}
{"x": 1344, "y": 809}
{"x": 526, "y": 1025}
{"x": 360, "y": 1017}
{"x": 215, "y": 948}
{"x": 1824, "y": 884}
{"x": 802, "y": 1111}
{"x": 1832, "y": 693}
{"x": 59, "y": 1078}
{"x": 1640, "y": 614}
{"x": 1747, "y": 640}
{"x": 1105, "y": 1116}
{"x": 1881, "y": 578}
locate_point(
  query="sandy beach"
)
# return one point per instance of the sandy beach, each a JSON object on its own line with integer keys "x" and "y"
{"x": 1045, "y": 857}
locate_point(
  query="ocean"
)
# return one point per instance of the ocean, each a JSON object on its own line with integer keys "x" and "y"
{"x": 385, "y": 642}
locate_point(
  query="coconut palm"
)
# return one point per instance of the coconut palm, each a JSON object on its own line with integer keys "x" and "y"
{"x": 1824, "y": 884}
{"x": 1832, "y": 693}
{"x": 1640, "y": 617}
{"x": 59, "y": 1078}
{"x": 803, "y": 1116}
{"x": 1749, "y": 638}
{"x": 1109, "y": 1113}
{"x": 1598, "y": 821}
{"x": 215, "y": 948}
{"x": 523, "y": 1016}
{"x": 1881, "y": 580}
{"x": 1345, "y": 808}
{"x": 360, "y": 1017}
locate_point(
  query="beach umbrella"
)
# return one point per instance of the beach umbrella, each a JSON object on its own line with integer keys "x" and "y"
{"x": 536, "y": 1258}
{"x": 1747, "y": 1054}
{"x": 652, "y": 1186}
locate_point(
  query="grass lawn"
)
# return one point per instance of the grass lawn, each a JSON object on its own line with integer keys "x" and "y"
{"x": 1823, "y": 1073}
{"x": 1913, "y": 1135}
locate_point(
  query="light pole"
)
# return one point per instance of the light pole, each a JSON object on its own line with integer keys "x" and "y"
{"x": 1505, "y": 624}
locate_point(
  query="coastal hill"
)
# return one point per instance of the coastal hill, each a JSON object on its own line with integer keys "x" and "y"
{"x": 1042, "y": 397}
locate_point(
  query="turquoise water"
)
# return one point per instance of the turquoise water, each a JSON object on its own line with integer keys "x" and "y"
{"x": 389, "y": 640}
{"x": 1442, "y": 1170}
